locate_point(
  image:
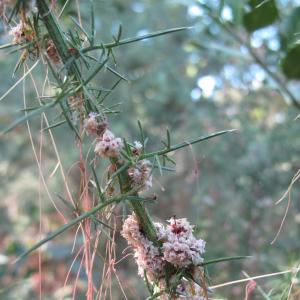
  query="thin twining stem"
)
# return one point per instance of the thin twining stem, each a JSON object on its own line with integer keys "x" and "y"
{"x": 80, "y": 218}
{"x": 250, "y": 278}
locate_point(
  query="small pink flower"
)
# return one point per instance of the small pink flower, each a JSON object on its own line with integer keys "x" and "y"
{"x": 108, "y": 145}
{"x": 180, "y": 247}
{"x": 140, "y": 174}
{"x": 147, "y": 256}
{"x": 90, "y": 124}
{"x": 22, "y": 33}
{"x": 93, "y": 126}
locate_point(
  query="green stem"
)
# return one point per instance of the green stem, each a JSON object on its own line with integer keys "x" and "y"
{"x": 57, "y": 37}
{"x": 61, "y": 44}
{"x": 134, "y": 39}
{"x": 185, "y": 144}
{"x": 137, "y": 206}
{"x": 145, "y": 220}
{"x": 222, "y": 259}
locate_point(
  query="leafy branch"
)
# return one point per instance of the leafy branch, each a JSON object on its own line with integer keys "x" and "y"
{"x": 131, "y": 196}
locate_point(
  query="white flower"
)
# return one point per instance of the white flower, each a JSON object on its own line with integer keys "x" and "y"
{"x": 137, "y": 145}
{"x": 108, "y": 145}
{"x": 149, "y": 260}
{"x": 137, "y": 148}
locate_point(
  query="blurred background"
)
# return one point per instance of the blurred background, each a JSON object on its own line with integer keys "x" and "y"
{"x": 238, "y": 66}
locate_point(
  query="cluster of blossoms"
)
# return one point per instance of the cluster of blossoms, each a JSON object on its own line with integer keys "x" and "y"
{"x": 179, "y": 248}
{"x": 91, "y": 124}
{"x": 146, "y": 254}
{"x": 140, "y": 174}
{"x": 22, "y": 33}
{"x": 107, "y": 144}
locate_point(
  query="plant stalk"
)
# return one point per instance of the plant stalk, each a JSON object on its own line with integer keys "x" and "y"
{"x": 137, "y": 206}
{"x": 57, "y": 36}
{"x": 61, "y": 45}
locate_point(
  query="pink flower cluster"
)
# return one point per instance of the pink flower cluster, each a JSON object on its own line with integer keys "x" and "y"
{"x": 179, "y": 246}
{"x": 147, "y": 256}
{"x": 22, "y": 33}
{"x": 17, "y": 33}
{"x": 108, "y": 145}
{"x": 92, "y": 125}
{"x": 140, "y": 174}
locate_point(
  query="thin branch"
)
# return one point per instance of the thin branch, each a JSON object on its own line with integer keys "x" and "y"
{"x": 185, "y": 144}
{"x": 134, "y": 39}
{"x": 20, "y": 80}
{"x": 257, "y": 59}
{"x": 249, "y": 279}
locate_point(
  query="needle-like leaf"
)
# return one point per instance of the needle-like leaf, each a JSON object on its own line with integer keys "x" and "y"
{"x": 135, "y": 39}
{"x": 185, "y": 144}
{"x": 223, "y": 259}
{"x": 77, "y": 220}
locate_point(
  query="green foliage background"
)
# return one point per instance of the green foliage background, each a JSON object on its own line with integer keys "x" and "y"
{"x": 227, "y": 186}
